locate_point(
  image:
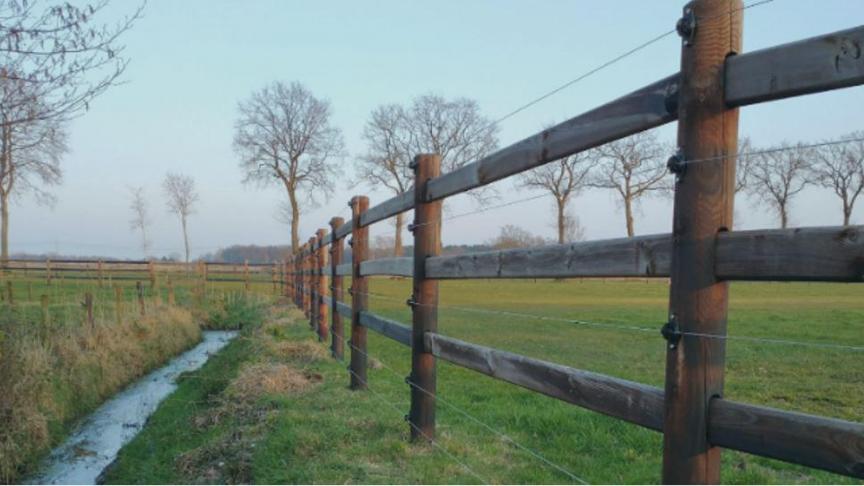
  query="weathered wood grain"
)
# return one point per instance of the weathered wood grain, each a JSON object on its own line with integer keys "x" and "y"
{"x": 811, "y": 65}
{"x": 399, "y": 267}
{"x": 824, "y": 443}
{"x": 392, "y": 329}
{"x": 388, "y": 208}
{"x": 644, "y": 256}
{"x": 343, "y": 230}
{"x": 814, "y": 254}
{"x": 634, "y": 402}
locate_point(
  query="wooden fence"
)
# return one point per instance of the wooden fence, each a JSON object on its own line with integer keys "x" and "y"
{"x": 700, "y": 256}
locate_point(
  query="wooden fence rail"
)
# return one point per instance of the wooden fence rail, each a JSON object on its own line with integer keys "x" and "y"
{"x": 700, "y": 256}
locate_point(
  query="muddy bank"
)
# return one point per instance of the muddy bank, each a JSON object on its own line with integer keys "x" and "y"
{"x": 96, "y": 439}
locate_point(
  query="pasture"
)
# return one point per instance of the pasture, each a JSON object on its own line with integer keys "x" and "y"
{"x": 780, "y": 353}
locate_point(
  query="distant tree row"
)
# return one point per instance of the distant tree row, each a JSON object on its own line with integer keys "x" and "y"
{"x": 284, "y": 135}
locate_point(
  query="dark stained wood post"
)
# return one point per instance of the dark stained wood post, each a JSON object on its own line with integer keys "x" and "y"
{"x": 359, "y": 289}
{"x": 48, "y": 271}
{"x": 704, "y": 194}
{"x": 313, "y": 286}
{"x": 424, "y": 300}
{"x": 321, "y": 286}
{"x": 336, "y": 250}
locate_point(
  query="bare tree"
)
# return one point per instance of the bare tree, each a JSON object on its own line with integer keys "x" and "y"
{"x": 140, "y": 217}
{"x": 573, "y": 229}
{"x": 512, "y": 236}
{"x": 779, "y": 174}
{"x": 30, "y": 156}
{"x": 283, "y": 135}
{"x": 181, "y": 197}
{"x": 634, "y": 167}
{"x": 454, "y": 129}
{"x": 563, "y": 179}
{"x": 65, "y": 55}
{"x": 841, "y": 168}
{"x": 743, "y": 165}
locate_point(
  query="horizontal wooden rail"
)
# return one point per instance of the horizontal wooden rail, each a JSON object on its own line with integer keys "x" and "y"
{"x": 388, "y": 208}
{"x": 341, "y": 307}
{"x": 801, "y": 254}
{"x": 344, "y": 230}
{"x": 812, "y": 65}
{"x": 399, "y": 267}
{"x": 392, "y": 329}
{"x": 824, "y": 443}
{"x": 828, "y": 254}
{"x": 644, "y": 256}
{"x": 634, "y": 402}
{"x": 343, "y": 269}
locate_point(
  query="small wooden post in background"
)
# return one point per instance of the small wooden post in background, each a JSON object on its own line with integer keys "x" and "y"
{"x": 99, "y": 272}
{"x": 321, "y": 287}
{"x": 336, "y": 250}
{"x": 118, "y": 303}
{"x": 48, "y": 271}
{"x": 704, "y": 196}
{"x": 359, "y": 288}
{"x": 151, "y": 269}
{"x": 46, "y": 315}
{"x": 170, "y": 285}
{"x": 140, "y": 289}
{"x": 88, "y": 306}
{"x": 246, "y": 275}
{"x": 10, "y": 292}
{"x": 424, "y": 301}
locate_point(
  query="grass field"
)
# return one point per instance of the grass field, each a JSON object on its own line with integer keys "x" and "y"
{"x": 298, "y": 422}
{"x": 56, "y": 366}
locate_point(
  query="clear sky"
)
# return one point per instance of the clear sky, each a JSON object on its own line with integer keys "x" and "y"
{"x": 192, "y": 61}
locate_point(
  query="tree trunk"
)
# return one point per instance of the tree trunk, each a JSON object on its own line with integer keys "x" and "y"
{"x": 784, "y": 218}
{"x": 4, "y": 229}
{"x": 397, "y": 240}
{"x": 628, "y": 213}
{"x": 561, "y": 221}
{"x": 185, "y": 238}
{"x": 295, "y": 220}
{"x": 847, "y": 212}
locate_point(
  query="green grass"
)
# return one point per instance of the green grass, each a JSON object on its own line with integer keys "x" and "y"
{"x": 330, "y": 434}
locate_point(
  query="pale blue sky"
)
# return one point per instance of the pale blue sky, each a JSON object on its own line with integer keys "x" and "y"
{"x": 191, "y": 61}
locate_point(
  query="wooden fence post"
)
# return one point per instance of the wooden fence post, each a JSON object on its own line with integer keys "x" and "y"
{"x": 359, "y": 287}
{"x": 48, "y": 271}
{"x": 10, "y": 292}
{"x": 246, "y": 275}
{"x": 46, "y": 316}
{"x": 321, "y": 287}
{"x": 704, "y": 195}
{"x": 336, "y": 250}
{"x": 88, "y": 306}
{"x": 99, "y": 272}
{"x": 170, "y": 292}
{"x": 313, "y": 288}
{"x": 140, "y": 289}
{"x": 151, "y": 269}
{"x": 118, "y": 303}
{"x": 424, "y": 300}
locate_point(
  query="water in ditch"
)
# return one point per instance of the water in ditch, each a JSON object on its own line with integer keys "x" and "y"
{"x": 94, "y": 443}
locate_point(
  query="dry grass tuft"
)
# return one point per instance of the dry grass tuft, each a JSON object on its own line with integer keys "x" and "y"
{"x": 226, "y": 460}
{"x": 52, "y": 375}
{"x": 297, "y": 351}
{"x": 265, "y": 379}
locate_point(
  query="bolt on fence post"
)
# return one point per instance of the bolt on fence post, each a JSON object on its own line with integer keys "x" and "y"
{"x": 338, "y": 331}
{"x": 321, "y": 280}
{"x": 704, "y": 197}
{"x": 359, "y": 289}
{"x": 424, "y": 299}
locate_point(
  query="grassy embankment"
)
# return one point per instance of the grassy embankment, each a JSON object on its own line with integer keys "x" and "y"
{"x": 55, "y": 367}
{"x": 273, "y": 408}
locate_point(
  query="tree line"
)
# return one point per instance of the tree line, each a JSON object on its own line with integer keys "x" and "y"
{"x": 284, "y": 135}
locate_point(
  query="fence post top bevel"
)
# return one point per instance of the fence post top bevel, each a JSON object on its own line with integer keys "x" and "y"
{"x": 336, "y": 222}
{"x": 320, "y": 233}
